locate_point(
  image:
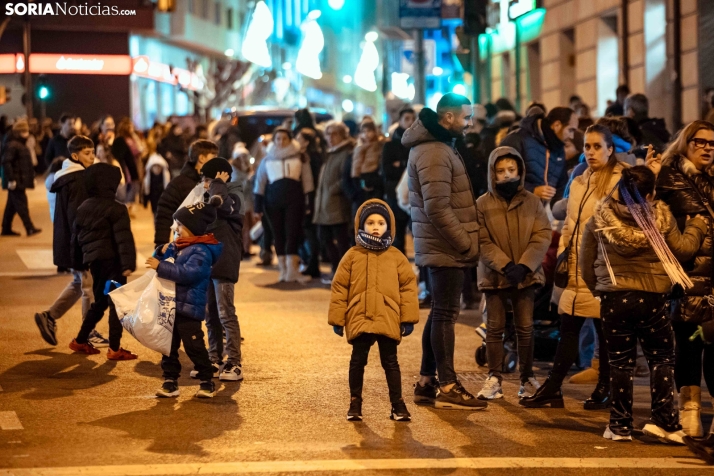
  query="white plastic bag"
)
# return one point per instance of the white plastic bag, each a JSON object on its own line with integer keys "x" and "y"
{"x": 147, "y": 308}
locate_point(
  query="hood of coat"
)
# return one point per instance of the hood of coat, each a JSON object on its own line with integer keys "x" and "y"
{"x": 282, "y": 153}
{"x": 686, "y": 167}
{"x": 615, "y": 222}
{"x": 392, "y": 223}
{"x": 156, "y": 159}
{"x": 102, "y": 180}
{"x": 427, "y": 129}
{"x": 497, "y": 153}
{"x": 68, "y": 167}
{"x": 347, "y": 143}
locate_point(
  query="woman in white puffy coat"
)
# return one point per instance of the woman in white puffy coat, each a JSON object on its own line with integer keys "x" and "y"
{"x": 283, "y": 185}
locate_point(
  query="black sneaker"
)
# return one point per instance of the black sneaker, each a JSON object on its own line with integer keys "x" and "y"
{"x": 168, "y": 390}
{"x": 458, "y": 398}
{"x": 206, "y": 390}
{"x": 400, "y": 412}
{"x": 355, "y": 411}
{"x": 46, "y": 325}
{"x": 9, "y": 233}
{"x": 216, "y": 370}
{"x": 426, "y": 394}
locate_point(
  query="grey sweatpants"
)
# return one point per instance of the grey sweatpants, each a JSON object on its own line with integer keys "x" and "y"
{"x": 79, "y": 287}
{"x": 222, "y": 316}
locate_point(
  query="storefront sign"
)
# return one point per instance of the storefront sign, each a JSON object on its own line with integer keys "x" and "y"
{"x": 146, "y": 68}
{"x": 80, "y": 64}
{"x": 422, "y": 14}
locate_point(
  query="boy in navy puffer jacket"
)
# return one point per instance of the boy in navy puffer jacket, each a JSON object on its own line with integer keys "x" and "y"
{"x": 187, "y": 262}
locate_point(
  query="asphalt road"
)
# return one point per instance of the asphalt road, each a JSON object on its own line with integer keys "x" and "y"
{"x": 63, "y": 413}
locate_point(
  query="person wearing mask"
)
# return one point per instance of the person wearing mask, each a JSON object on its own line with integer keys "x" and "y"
{"x": 57, "y": 145}
{"x": 617, "y": 108}
{"x": 686, "y": 186}
{"x": 394, "y": 162}
{"x": 445, "y": 230}
{"x": 540, "y": 141}
{"x": 629, "y": 260}
{"x": 651, "y": 131}
{"x": 282, "y": 184}
{"x": 577, "y": 302}
{"x": 332, "y": 207}
{"x": 18, "y": 175}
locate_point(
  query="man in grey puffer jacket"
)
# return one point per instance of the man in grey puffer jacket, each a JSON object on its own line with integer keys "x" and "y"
{"x": 445, "y": 229}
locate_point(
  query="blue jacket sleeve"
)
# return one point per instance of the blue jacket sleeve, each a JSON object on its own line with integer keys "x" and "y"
{"x": 194, "y": 269}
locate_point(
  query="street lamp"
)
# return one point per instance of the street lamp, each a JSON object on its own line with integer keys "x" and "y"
{"x": 336, "y": 4}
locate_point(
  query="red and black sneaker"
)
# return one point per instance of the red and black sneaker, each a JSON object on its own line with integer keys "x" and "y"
{"x": 87, "y": 348}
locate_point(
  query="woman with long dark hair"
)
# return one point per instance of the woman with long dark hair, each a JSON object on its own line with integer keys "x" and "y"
{"x": 686, "y": 184}
{"x": 577, "y": 302}
{"x": 629, "y": 260}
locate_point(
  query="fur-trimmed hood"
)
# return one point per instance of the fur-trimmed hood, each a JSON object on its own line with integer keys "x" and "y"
{"x": 617, "y": 225}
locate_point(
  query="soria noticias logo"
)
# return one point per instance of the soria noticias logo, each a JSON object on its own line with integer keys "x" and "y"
{"x": 86, "y": 9}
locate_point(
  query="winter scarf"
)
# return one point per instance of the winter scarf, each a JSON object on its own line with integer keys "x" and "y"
{"x": 372, "y": 242}
{"x": 207, "y": 239}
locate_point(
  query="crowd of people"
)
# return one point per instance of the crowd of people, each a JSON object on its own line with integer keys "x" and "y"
{"x": 609, "y": 219}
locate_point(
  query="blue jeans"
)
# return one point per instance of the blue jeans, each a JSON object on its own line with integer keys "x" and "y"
{"x": 437, "y": 341}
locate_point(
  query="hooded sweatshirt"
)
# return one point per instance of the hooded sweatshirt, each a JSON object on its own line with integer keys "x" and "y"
{"x": 102, "y": 227}
{"x": 442, "y": 202}
{"x": 374, "y": 291}
{"x": 510, "y": 231}
{"x": 69, "y": 192}
{"x": 156, "y": 159}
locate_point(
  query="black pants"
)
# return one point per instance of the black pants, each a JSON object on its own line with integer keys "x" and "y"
{"x": 103, "y": 271}
{"x": 336, "y": 242}
{"x": 627, "y": 317}
{"x": 266, "y": 242}
{"x": 567, "y": 351}
{"x": 688, "y": 366}
{"x": 497, "y": 302}
{"x": 311, "y": 249}
{"x": 401, "y": 222}
{"x": 437, "y": 341}
{"x": 387, "y": 354}
{"x": 16, "y": 203}
{"x": 188, "y": 331}
{"x": 469, "y": 290}
{"x": 286, "y": 223}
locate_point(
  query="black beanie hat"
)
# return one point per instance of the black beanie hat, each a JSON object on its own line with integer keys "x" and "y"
{"x": 215, "y": 166}
{"x": 196, "y": 217}
{"x": 375, "y": 208}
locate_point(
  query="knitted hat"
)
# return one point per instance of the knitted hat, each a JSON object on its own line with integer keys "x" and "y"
{"x": 375, "y": 208}
{"x": 20, "y": 126}
{"x": 215, "y": 166}
{"x": 196, "y": 217}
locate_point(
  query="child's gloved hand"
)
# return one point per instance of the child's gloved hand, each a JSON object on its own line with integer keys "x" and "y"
{"x": 407, "y": 328}
{"x": 516, "y": 273}
{"x": 339, "y": 330}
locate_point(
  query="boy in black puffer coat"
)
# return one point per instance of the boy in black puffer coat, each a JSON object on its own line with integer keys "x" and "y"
{"x": 102, "y": 229}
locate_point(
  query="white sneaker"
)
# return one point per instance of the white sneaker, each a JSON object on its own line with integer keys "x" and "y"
{"x": 97, "y": 340}
{"x": 673, "y": 437}
{"x": 491, "y": 390}
{"x": 231, "y": 373}
{"x": 216, "y": 370}
{"x": 609, "y": 435}
{"x": 528, "y": 388}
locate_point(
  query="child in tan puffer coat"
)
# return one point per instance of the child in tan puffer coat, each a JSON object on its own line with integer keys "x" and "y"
{"x": 374, "y": 296}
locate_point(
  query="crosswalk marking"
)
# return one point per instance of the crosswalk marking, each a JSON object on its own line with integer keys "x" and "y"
{"x": 36, "y": 258}
{"x": 10, "y": 421}
{"x": 309, "y": 466}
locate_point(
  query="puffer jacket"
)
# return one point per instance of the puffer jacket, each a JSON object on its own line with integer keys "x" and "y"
{"x": 102, "y": 227}
{"x": 517, "y": 231}
{"x": 170, "y": 201}
{"x": 227, "y": 229}
{"x": 633, "y": 261}
{"x": 528, "y": 140}
{"x": 374, "y": 291}
{"x": 393, "y": 164}
{"x": 443, "y": 207}
{"x": 576, "y": 299}
{"x": 70, "y": 192}
{"x": 675, "y": 187}
{"x": 191, "y": 271}
{"x": 332, "y": 207}
{"x": 17, "y": 164}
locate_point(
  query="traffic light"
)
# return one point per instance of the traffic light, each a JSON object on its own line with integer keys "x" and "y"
{"x": 43, "y": 92}
{"x": 475, "y": 18}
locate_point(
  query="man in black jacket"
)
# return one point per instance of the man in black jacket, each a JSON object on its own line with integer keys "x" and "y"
{"x": 103, "y": 231}
{"x": 18, "y": 175}
{"x": 394, "y": 162}
{"x": 200, "y": 152}
{"x": 70, "y": 191}
{"x": 651, "y": 131}
{"x": 58, "y": 145}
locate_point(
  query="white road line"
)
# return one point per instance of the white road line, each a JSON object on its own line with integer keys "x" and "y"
{"x": 36, "y": 258}
{"x": 309, "y": 466}
{"x": 10, "y": 421}
{"x": 28, "y": 274}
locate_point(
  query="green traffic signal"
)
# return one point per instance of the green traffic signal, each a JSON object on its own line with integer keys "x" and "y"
{"x": 44, "y": 92}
